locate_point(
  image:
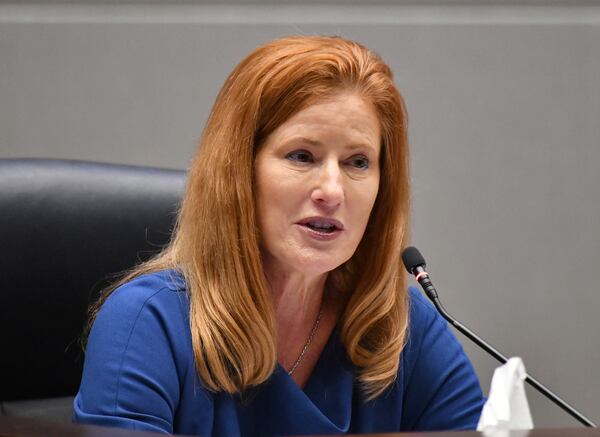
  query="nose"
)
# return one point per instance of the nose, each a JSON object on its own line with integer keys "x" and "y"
{"x": 328, "y": 190}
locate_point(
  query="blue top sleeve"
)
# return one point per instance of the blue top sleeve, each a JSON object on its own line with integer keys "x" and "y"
{"x": 132, "y": 374}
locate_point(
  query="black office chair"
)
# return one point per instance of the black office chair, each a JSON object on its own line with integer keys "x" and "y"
{"x": 66, "y": 229}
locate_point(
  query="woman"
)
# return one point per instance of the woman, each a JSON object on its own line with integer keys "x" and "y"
{"x": 280, "y": 306}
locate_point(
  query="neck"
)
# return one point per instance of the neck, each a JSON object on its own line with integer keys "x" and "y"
{"x": 294, "y": 292}
{"x": 296, "y": 298}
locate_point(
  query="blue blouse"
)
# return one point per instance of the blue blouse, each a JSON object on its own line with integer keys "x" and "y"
{"x": 139, "y": 373}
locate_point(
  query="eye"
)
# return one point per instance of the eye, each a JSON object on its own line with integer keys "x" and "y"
{"x": 359, "y": 161}
{"x": 302, "y": 156}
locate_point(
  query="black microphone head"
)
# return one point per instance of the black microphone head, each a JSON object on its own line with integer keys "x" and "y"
{"x": 412, "y": 258}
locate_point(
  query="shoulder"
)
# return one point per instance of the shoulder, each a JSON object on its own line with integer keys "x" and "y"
{"x": 422, "y": 315}
{"x": 421, "y": 309}
{"x": 147, "y": 308}
{"x": 441, "y": 387}
{"x": 144, "y": 287}
{"x": 160, "y": 291}
{"x": 138, "y": 355}
{"x": 426, "y": 329}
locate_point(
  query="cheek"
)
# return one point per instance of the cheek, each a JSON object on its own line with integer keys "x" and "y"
{"x": 278, "y": 197}
{"x": 365, "y": 197}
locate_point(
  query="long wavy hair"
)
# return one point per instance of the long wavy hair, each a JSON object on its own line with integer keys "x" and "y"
{"x": 215, "y": 244}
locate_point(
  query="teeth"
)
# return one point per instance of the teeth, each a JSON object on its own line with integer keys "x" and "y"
{"x": 321, "y": 224}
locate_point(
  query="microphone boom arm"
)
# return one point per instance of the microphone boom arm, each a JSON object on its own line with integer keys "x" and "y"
{"x": 500, "y": 357}
{"x": 415, "y": 264}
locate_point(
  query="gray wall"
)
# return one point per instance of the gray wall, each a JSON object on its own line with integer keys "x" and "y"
{"x": 504, "y": 103}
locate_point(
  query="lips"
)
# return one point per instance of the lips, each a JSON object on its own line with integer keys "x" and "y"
{"x": 323, "y": 225}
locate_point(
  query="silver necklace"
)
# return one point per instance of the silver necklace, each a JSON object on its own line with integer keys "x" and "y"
{"x": 308, "y": 341}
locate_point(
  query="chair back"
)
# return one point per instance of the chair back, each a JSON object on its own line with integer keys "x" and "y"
{"x": 66, "y": 229}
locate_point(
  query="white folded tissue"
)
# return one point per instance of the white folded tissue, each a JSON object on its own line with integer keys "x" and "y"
{"x": 507, "y": 407}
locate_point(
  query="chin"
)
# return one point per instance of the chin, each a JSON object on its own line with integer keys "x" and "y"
{"x": 321, "y": 263}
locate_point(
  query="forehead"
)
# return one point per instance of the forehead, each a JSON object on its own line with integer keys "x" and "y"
{"x": 343, "y": 117}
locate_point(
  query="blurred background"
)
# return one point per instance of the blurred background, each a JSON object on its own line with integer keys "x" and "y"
{"x": 504, "y": 105}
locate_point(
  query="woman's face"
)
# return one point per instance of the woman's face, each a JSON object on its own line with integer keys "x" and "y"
{"x": 317, "y": 177}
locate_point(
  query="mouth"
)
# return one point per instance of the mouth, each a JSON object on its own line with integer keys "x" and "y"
{"x": 322, "y": 225}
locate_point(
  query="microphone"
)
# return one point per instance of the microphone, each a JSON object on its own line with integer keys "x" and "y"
{"x": 415, "y": 264}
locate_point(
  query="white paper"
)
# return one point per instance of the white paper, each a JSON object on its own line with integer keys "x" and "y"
{"x": 507, "y": 407}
